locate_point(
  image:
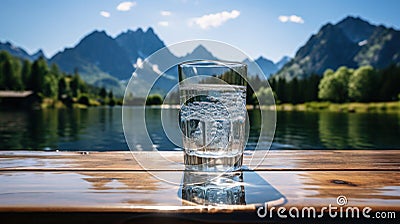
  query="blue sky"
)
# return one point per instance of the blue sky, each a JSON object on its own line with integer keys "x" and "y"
{"x": 271, "y": 28}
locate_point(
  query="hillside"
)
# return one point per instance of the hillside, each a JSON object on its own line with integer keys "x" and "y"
{"x": 352, "y": 42}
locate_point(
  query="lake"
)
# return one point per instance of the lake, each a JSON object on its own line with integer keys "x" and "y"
{"x": 100, "y": 129}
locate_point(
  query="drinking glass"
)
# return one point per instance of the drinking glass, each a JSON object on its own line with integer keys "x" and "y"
{"x": 213, "y": 114}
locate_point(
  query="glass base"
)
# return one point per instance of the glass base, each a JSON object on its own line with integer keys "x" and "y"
{"x": 213, "y": 164}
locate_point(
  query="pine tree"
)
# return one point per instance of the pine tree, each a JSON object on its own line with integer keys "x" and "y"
{"x": 62, "y": 88}
{"x": 26, "y": 73}
{"x": 103, "y": 93}
{"x": 37, "y": 77}
{"x": 11, "y": 78}
{"x": 74, "y": 85}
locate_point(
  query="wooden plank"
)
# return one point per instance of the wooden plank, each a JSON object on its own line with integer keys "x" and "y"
{"x": 111, "y": 187}
{"x": 138, "y": 191}
{"x": 285, "y": 160}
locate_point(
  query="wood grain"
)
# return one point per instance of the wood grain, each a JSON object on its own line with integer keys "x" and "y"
{"x": 140, "y": 191}
{"x": 53, "y": 182}
{"x": 285, "y": 160}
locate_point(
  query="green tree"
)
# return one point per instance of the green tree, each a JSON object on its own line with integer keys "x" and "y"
{"x": 55, "y": 71}
{"x": 326, "y": 86}
{"x": 265, "y": 96}
{"x": 388, "y": 83}
{"x": 295, "y": 95}
{"x": 281, "y": 90}
{"x": 63, "y": 89}
{"x": 334, "y": 85}
{"x": 249, "y": 94}
{"x": 4, "y": 55}
{"x": 11, "y": 77}
{"x": 26, "y": 73}
{"x": 343, "y": 75}
{"x": 111, "y": 100}
{"x": 50, "y": 87}
{"x": 74, "y": 85}
{"x": 103, "y": 93}
{"x": 361, "y": 84}
{"x": 38, "y": 73}
{"x": 8, "y": 80}
{"x": 1, "y": 77}
{"x": 83, "y": 88}
{"x": 310, "y": 88}
{"x": 84, "y": 99}
{"x": 154, "y": 99}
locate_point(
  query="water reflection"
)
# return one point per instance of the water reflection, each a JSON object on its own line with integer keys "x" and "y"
{"x": 359, "y": 131}
{"x": 297, "y": 130}
{"x": 200, "y": 188}
{"x": 333, "y": 129}
{"x": 232, "y": 188}
{"x": 64, "y": 129}
{"x": 101, "y": 129}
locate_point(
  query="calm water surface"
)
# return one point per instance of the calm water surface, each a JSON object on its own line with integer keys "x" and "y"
{"x": 101, "y": 129}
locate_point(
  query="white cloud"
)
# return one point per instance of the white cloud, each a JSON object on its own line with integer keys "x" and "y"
{"x": 125, "y": 6}
{"x": 165, "y": 13}
{"x": 291, "y": 18}
{"x": 283, "y": 19}
{"x": 105, "y": 14}
{"x": 163, "y": 23}
{"x": 156, "y": 69}
{"x": 139, "y": 63}
{"x": 214, "y": 20}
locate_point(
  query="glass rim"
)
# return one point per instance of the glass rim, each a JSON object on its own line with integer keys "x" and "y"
{"x": 212, "y": 64}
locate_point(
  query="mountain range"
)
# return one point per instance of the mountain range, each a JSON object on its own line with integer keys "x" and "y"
{"x": 352, "y": 42}
{"x": 19, "y": 52}
{"x": 106, "y": 61}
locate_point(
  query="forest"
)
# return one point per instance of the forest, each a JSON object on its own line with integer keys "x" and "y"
{"x": 343, "y": 85}
{"x": 364, "y": 84}
{"x": 56, "y": 88}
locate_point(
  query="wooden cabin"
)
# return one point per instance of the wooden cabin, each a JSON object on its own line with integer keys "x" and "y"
{"x": 19, "y": 99}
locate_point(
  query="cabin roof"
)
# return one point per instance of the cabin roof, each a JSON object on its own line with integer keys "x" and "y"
{"x": 15, "y": 94}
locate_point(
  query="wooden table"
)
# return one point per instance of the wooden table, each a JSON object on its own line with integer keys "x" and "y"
{"x": 111, "y": 187}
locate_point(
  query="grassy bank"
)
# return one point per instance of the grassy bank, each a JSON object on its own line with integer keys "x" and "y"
{"x": 76, "y": 103}
{"x": 343, "y": 107}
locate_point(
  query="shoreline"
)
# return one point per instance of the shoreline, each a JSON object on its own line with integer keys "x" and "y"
{"x": 354, "y": 107}
{"x": 350, "y": 107}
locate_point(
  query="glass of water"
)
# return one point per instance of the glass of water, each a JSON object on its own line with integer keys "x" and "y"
{"x": 213, "y": 114}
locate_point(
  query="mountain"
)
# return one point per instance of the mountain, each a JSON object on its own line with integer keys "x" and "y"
{"x": 95, "y": 51}
{"x": 352, "y": 42}
{"x": 199, "y": 52}
{"x": 99, "y": 60}
{"x": 167, "y": 76}
{"x": 267, "y": 66}
{"x": 356, "y": 29}
{"x": 19, "y": 52}
{"x": 284, "y": 60}
{"x": 139, "y": 44}
{"x": 381, "y": 49}
{"x": 37, "y": 55}
{"x": 109, "y": 62}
